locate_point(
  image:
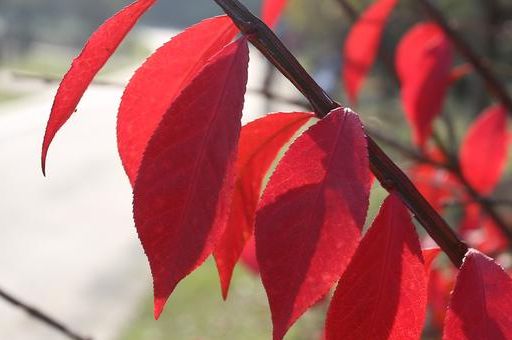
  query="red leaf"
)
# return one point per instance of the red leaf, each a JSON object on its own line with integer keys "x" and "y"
{"x": 437, "y": 185}
{"x": 493, "y": 240}
{"x": 362, "y": 45}
{"x": 440, "y": 285}
{"x": 383, "y": 293}
{"x": 260, "y": 143}
{"x": 472, "y": 218}
{"x": 272, "y": 10}
{"x": 310, "y": 217}
{"x": 459, "y": 72}
{"x": 480, "y": 304}
{"x": 158, "y": 82}
{"x": 101, "y": 45}
{"x": 183, "y": 190}
{"x": 480, "y": 231}
{"x": 429, "y": 256}
{"x": 423, "y": 62}
{"x": 483, "y": 153}
{"x": 248, "y": 256}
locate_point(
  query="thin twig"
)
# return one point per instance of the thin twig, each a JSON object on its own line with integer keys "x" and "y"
{"x": 387, "y": 172}
{"x": 487, "y": 205}
{"x": 43, "y": 317}
{"x": 348, "y": 9}
{"x": 405, "y": 150}
{"x": 498, "y": 201}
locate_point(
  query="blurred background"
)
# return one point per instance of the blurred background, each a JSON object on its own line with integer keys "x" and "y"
{"x": 67, "y": 242}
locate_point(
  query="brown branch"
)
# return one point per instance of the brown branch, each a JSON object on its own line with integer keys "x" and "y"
{"x": 42, "y": 317}
{"x": 495, "y": 85}
{"x": 487, "y": 204}
{"x": 348, "y": 9}
{"x": 387, "y": 172}
{"x": 405, "y": 150}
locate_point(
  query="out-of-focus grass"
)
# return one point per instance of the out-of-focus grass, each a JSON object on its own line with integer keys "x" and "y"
{"x": 196, "y": 311}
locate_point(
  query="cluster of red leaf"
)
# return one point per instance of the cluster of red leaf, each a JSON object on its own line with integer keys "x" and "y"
{"x": 424, "y": 59}
{"x": 199, "y": 182}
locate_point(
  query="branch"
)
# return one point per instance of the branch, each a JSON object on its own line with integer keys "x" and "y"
{"x": 44, "y": 318}
{"x": 487, "y": 204}
{"x": 387, "y": 172}
{"x": 348, "y": 9}
{"x": 494, "y": 84}
{"x": 405, "y": 150}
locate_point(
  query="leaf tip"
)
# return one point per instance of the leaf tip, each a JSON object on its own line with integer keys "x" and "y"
{"x": 44, "y": 153}
{"x": 224, "y": 283}
{"x": 43, "y": 165}
{"x": 278, "y": 333}
{"x": 225, "y": 274}
{"x": 159, "y": 306}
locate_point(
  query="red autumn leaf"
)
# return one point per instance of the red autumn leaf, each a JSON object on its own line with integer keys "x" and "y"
{"x": 480, "y": 231}
{"x": 272, "y": 10}
{"x": 362, "y": 45}
{"x": 184, "y": 186}
{"x": 383, "y": 293}
{"x": 480, "y": 304}
{"x": 248, "y": 256}
{"x": 437, "y": 185}
{"x": 493, "y": 240}
{"x": 101, "y": 45}
{"x": 429, "y": 256}
{"x": 423, "y": 62}
{"x": 311, "y": 214}
{"x": 440, "y": 284}
{"x": 158, "y": 82}
{"x": 490, "y": 238}
{"x": 260, "y": 143}
{"x": 483, "y": 153}
{"x": 459, "y": 72}
{"x": 472, "y": 218}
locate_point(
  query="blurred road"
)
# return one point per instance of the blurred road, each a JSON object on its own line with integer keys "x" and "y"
{"x": 67, "y": 242}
